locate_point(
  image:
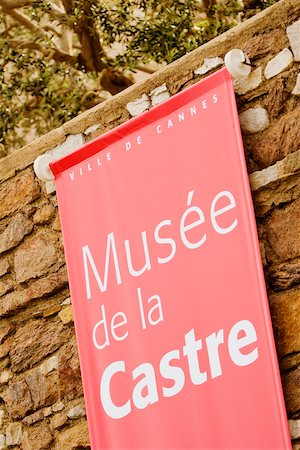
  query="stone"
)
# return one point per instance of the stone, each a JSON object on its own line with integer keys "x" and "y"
{"x": 17, "y": 192}
{"x": 244, "y": 85}
{"x": 76, "y": 412}
{"x": 2, "y": 442}
{"x": 50, "y": 187}
{"x": 209, "y": 64}
{"x": 49, "y": 285}
{"x": 14, "y": 433}
{"x": 67, "y": 301}
{"x": 41, "y": 288}
{"x": 18, "y": 399}
{"x": 294, "y": 426}
{"x": 138, "y": 106}
{"x": 5, "y": 287}
{"x": 44, "y": 215}
{"x": 43, "y": 390}
{"x": 12, "y": 302}
{"x": 47, "y": 411}
{"x": 5, "y": 376}
{"x": 285, "y": 307}
{"x": 277, "y": 97}
{"x": 291, "y": 389}
{"x": 33, "y": 418}
{"x": 6, "y": 328}
{"x": 14, "y": 233}
{"x": 2, "y": 414}
{"x": 263, "y": 44}
{"x": 29, "y": 394}
{"x": 293, "y": 33}
{"x": 279, "y": 140}
{"x": 254, "y": 120}
{"x": 70, "y": 384}
{"x": 56, "y": 226}
{"x": 41, "y": 163}
{"x": 75, "y": 437}
{"x": 91, "y": 130}
{"x": 36, "y": 340}
{"x": 296, "y": 90}
{"x": 37, "y": 437}
{"x": 278, "y": 64}
{"x": 290, "y": 362}
{"x": 49, "y": 365}
{"x": 4, "y": 266}
{"x": 284, "y": 238}
{"x": 66, "y": 315}
{"x": 34, "y": 257}
{"x": 5, "y": 347}
{"x": 159, "y": 94}
{"x": 284, "y": 276}
{"x": 58, "y": 420}
{"x": 280, "y": 170}
{"x": 51, "y": 311}
{"x": 58, "y": 407}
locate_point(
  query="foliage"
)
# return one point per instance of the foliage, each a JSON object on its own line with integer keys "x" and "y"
{"x": 60, "y": 57}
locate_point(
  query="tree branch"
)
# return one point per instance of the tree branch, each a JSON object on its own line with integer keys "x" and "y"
{"x": 92, "y": 51}
{"x": 12, "y": 4}
{"x": 53, "y": 53}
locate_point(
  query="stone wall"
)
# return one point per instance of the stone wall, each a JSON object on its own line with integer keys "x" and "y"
{"x": 42, "y": 403}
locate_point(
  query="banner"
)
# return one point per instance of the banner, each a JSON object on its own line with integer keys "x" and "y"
{"x": 170, "y": 307}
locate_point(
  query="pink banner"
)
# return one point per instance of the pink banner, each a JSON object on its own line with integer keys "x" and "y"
{"x": 170, "y": 307}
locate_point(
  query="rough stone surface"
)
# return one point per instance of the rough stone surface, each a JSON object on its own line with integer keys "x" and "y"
{"x": 76, "y": 412}
{"x": 254, "y": 120}
{"x": 264, "y": 44}
{"x": 66, "y": 315}
{"x": 75, "y": 437}
{"x": 4, "y": 266}
{"x": 291, "y": 388}
{"x": 29, "y": 394}
{"x": 36, "y": 340}
{"x": 37, "y": 437}
{"x": 293, "y": 32}
{"x": 283, "y": 238}
{"x": 276, "y": 99}
{"x": 284, "y": 276}
{"x": 18, "y": 192}
{"x": 5, "y": 376}
{"x": 296, "y": 90}
{"x": 58, "y": 407}
{"x": 69, "y": 372}
{"x": 14, "y": 433}
{"x": 6, "y": 328}
{"x": 34, "y": 257}
{"x": 33, "y": 418}
{"x": 281, "y": 62}
{"x": 3, "y": 445}
{"x": 294, "y": 426}
{"x": 49, "y": 365}
{"x": 285, "y": 307}
{"x": 138, "y": 106}
{"x": 18, "y": 399}
{"x": 58, "y": 420}
{"x": 15, "y": 232}
{"x": 244, "y": 85}
{"x": 209, "y": 64}
{"x": 48, "y": 285}
{"x": 277, "y": 194}
{"x": 280, "y": 170}
{"x": 278, "y": 141}
{"x": 5, "y": 287}
{"x": 45, "y": 215}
